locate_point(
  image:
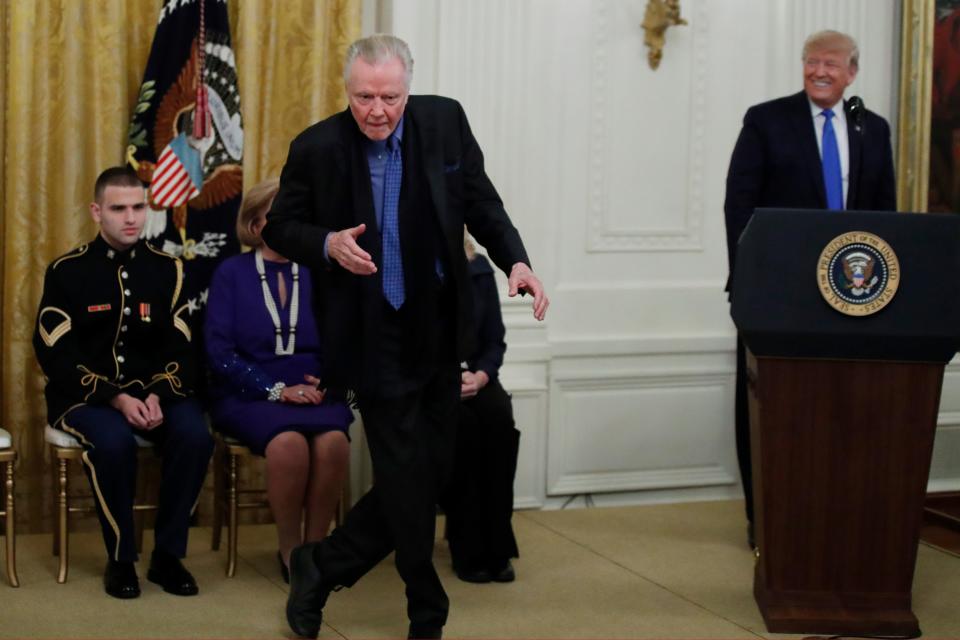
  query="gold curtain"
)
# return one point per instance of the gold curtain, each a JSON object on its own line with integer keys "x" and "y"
{"x": 69, "y": 74}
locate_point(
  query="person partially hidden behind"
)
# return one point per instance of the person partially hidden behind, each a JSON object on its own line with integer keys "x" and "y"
{"x": 374, "y": 199}
{"x": 479, "y": 501}
{"x": 112, "y": 339}
{"x": 811, "y": 150}
{"x": 264, "y": 352}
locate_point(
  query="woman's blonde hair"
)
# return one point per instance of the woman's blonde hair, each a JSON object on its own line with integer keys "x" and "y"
{"x": 256, "y": 203}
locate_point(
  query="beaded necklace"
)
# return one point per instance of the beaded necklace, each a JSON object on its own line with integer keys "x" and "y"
{"x": 272, "y": 306}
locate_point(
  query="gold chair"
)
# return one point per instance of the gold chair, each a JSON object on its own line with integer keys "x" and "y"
{"x": 66, "y": 448}
{"x": 227, "y": 493}
{"x": 8, "y": 458}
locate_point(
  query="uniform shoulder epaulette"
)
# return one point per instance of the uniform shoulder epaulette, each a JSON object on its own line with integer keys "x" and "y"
{"x": 73, "y": 253}
{"x": 160, "y": 252}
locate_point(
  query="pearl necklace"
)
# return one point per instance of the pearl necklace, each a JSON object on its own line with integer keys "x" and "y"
{"x": 272, "y": 306}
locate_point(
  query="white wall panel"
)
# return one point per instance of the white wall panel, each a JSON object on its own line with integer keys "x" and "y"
{"x": 619, "y": 433}
{"x": 631, "y": 149}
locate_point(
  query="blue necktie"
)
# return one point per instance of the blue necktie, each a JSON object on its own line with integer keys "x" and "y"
{"x": 832, "y": 180}
{"x": 392, "y": 259}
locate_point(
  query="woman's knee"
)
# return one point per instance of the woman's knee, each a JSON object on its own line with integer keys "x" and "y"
{"x": 287, "y": 445}
{"x": 331, "y": 447}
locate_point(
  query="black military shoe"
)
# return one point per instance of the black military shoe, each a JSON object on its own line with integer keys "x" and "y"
{"x": 308, "y": 594}
{"x": 120, "y": 580}
{"x": 168, "y": 572}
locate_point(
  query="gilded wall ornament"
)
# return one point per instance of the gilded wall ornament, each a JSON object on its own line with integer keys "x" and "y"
{"x": 660, "y": 15}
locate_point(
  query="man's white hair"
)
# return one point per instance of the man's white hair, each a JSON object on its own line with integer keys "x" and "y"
{"x": 378, "y": 48}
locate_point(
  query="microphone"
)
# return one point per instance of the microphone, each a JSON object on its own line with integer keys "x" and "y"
{"x": 855, "y": 111}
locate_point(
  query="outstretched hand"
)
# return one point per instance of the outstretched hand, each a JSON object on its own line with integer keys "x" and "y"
{"x": 523, "y": 278}
{"x": 342, "y": 246}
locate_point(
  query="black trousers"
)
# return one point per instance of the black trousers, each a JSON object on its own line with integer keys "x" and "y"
{"x": 742, "y": 426}
{"x": 110, "y": 461}
{"x": 479, "y": 500}
{"x": 411, "y": 440}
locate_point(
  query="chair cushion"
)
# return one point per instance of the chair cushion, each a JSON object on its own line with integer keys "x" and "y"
{"x": 5, "y": 439}
{"x": 59, "y": 438}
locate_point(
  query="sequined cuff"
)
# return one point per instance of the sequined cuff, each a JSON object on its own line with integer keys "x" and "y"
{"x": 273, "y": 393}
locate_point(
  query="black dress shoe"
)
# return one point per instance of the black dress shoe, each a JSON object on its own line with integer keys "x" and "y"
{"x": 308, "y": 594}
{"x": 506, "y": 574}
{"x": 284, "y": 571}
{"x": 168, "y": 572}
{"x": 120, "y": 580}
{"x": 476, "y": 576}
{"x": 424, "y": 632}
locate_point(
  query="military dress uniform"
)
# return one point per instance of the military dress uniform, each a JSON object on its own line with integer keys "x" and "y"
{"x": 113, "y": 322}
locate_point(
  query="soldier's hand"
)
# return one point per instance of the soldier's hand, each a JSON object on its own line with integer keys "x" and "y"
{"x": 134, "y": 411}
{"x": 342, "y": 246}
{"x": 155, "y": 413}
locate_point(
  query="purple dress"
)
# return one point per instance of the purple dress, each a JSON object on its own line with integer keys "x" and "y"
{"x": 241, "y": 343}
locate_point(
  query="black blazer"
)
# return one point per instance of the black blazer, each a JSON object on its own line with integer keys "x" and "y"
{"x": 325, "y": 186}
{"x": 491, "y": 345}
{"x": 776, "y": 163}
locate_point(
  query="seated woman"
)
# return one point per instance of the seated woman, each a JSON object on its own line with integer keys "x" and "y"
{"x": 264, "y": 351}
{"x": 479, "y": 500}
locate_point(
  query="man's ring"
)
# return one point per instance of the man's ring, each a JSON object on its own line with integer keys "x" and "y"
{"x": 300, "y": 393}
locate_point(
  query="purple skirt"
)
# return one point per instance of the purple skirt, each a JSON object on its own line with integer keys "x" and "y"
{"x": 256, "y": 422}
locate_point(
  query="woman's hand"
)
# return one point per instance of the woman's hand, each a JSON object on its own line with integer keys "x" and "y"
{"x": 301, "y": 394}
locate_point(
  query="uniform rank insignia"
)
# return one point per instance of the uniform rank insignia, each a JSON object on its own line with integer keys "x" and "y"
{"x": 98, "y": 307}
{"x": 145, "y": 311}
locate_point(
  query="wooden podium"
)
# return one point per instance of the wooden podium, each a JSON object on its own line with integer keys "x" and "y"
{"x": 843, "y": 411}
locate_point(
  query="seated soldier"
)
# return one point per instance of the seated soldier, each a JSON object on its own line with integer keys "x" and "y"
{"x": 113, "y": 342}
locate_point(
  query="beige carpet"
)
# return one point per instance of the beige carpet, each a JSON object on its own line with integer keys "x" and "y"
{"x": 665, "y": 571}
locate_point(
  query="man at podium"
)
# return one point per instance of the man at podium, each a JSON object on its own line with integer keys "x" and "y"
{"x": 809, "y": 150}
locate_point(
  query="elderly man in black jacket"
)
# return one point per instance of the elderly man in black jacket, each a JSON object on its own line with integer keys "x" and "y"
{"x": 374, "y": 200}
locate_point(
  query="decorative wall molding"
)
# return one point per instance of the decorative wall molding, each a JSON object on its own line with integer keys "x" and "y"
{"x": 602, "y": 236}
{"x": 681, "y": 478}
{"x": 530, "y": 413}
{"x": 704, "y": 395}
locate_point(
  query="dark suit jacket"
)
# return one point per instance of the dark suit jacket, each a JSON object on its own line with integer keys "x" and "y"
{"x": 491, "y": 346}
{"x": 325, "y": 186}
{"x": 776, "y": 163}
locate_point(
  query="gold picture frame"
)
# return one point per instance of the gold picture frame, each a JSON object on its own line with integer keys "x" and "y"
{"x": 913, "y": 132}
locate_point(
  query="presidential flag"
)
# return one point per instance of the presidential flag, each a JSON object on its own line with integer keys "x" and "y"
{"x": 186, "y": 141}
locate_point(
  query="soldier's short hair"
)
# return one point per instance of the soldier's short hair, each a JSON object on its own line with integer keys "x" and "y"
{"x": 255, "y": 204}
{"x": 122, "y": 176}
